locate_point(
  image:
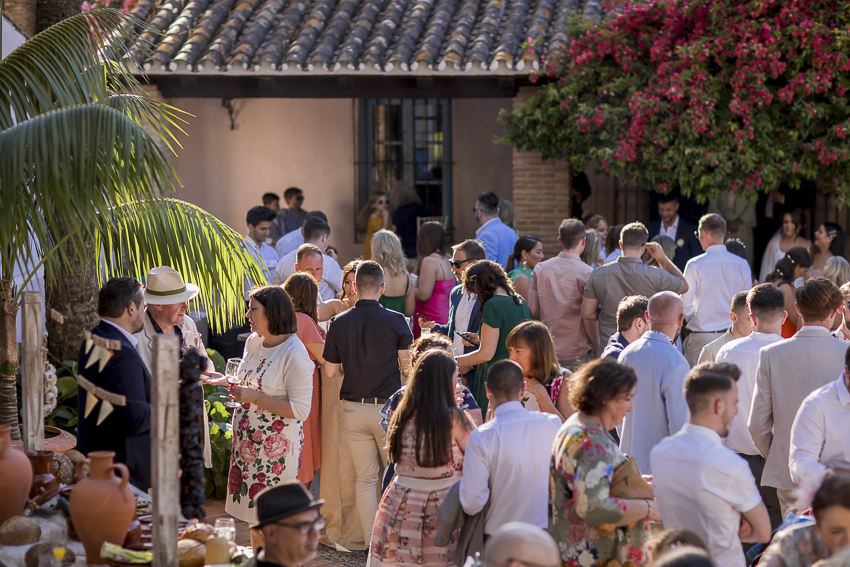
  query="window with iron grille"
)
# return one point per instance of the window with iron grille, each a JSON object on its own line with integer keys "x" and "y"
{"x": 407, "y": 140}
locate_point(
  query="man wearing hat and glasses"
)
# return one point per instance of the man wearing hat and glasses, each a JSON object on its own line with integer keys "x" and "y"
{"x": 167, "y": 297}
{"x": 290, "y": 524}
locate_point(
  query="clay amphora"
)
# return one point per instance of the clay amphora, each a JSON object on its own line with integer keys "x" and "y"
{"x": 102, "y": 505}
{"x": 44, "y": 484}
{"x": 15, "y": 477}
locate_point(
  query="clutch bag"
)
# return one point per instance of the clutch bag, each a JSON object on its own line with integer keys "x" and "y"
{"x": 628, "y": 484}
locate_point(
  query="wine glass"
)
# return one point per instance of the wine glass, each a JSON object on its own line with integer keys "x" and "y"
{"x": 225, "y": 528}
{"x": 231, "y": 373}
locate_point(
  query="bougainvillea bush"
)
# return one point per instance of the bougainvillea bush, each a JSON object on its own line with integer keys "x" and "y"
{"x": 706, "y": 94}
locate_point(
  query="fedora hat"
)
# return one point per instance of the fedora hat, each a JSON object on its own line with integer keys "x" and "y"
{"x": 284, "y": 500}
{"x": 165, "y": 286}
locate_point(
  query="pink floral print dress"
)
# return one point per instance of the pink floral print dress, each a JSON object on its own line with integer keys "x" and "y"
{"x": 267, "y": 447}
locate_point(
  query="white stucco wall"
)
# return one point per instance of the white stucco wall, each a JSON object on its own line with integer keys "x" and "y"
{"x": 12, "y": 38}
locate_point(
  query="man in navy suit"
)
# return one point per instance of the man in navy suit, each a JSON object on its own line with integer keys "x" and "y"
{"x": 464, "y": 310}
{"x": 677, "y": 228}
{"x": 121, "y": 306}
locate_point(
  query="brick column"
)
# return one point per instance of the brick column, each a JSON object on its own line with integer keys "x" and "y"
{"x": 542, "y": 192}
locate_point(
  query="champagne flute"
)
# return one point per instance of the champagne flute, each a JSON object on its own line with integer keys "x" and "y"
{"x": 231, "y": 372}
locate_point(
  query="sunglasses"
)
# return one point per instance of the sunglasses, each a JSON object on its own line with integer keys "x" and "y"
{"x": 457, "y": 264}
{"x": 300, "y": 198}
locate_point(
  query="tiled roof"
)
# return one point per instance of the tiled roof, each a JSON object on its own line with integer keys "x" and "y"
{"x": 353, "y": 37}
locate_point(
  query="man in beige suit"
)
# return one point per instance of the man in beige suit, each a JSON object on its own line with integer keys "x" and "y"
{"x": 790, "y": 370}
{"x": 167, "y": 298}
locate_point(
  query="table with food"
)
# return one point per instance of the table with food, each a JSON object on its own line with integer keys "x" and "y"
{"x": 63, "y": 509}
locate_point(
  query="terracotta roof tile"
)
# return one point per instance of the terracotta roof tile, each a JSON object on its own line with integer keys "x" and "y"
{"x": 352, "y": 36}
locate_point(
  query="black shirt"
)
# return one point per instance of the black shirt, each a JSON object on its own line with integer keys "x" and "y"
{"x": 366, "y": 340}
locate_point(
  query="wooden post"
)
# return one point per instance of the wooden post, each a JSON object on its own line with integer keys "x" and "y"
{"x": 165, "y": 440}
{"x": 32, "y": 371}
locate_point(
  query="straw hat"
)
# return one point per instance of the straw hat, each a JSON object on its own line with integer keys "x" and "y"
{"x": 165, "y": 286}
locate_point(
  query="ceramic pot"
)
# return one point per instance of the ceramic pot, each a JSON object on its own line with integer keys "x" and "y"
{"x": 44, "y": 484}
{"x": 15, "y": 477}
{"x": 102, "y": 505}
{"x": 55, "y": 439}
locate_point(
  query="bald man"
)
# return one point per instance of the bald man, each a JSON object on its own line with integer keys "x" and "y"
{"x": 521, "y": 544}
{"x": 659, "y": 404}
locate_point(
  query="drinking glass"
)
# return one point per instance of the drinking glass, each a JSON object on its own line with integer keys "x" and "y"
{"x": 225, "y": 528}
{"x": 231, "y": 373}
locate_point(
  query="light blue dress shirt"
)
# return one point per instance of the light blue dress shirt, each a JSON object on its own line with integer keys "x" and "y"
{"x": 498, "y": 240}
{"x": 659, "y": 403}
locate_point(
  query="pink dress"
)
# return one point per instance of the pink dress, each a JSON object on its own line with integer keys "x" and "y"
{"x": 437, "y": 307}
{"x": 311, "y": 454}
{"x": 407, "y": 520}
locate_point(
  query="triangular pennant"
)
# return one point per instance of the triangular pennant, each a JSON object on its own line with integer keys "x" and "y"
{"x": 105, "y": 355}
{"x": 105, "y": 410}
{"x": 91, "y": 401}
{"x": 89, "y": 344}
{"x": 99, "y": 354}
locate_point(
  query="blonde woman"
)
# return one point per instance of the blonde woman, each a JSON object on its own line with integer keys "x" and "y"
{"x": 592, "y": 255}
{"x": 398, "y": 293}
{"x": 373, "y": 217}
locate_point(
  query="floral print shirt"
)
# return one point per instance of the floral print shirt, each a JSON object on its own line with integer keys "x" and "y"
{"x": 582, "y": 514}
{"x": 798, "y": 545}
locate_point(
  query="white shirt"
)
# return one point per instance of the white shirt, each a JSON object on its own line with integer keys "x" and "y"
{"x": 289, "y": 242}
{"x": 671, "y": 232}
{"x": 613, "y": 256}
{"x": 131, "y": 338}
{"x": 744, "y": 353}
{"x": 820, "y": 436}
{"x": 507, "y": 462}
{"x": 704, "y": 487}
{"x": 265, "y": 253}
{"x": 713, "y": 280}
{"x": 331, "y": 283}
{"x": 463, "y": 312}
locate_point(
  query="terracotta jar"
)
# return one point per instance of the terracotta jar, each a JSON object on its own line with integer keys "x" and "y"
{"x": 102, "y": 505}
{"x": 44, "y": 484}
{"x": 15, "y": 477}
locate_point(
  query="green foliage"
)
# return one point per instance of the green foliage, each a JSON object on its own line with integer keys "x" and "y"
{"x": 217, "y": 359}
{"x": 708, "y": 95}
{"x": 64, "y": 415}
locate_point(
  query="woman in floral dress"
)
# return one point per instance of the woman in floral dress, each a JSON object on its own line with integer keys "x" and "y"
{"x": 592, "y": 528}
{"x": 276, "y": 393}
{"x": 530, "y": 345}
{"x": 427, "y": 449}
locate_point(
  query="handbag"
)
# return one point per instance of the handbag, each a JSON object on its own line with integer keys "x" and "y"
{"x": 628, "y": 484}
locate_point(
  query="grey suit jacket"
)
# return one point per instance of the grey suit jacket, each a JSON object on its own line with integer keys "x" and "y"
{"x": 788, "y": 371}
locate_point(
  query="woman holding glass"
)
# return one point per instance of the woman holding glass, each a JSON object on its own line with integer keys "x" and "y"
{"x": 276, "y": 392}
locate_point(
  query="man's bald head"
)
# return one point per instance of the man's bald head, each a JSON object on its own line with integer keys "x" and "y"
{"x": 665, "y": 308}
{"x": 522, "y": 542}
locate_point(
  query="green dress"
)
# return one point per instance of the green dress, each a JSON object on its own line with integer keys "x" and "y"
{"x": 395, "y": 302}
{"x": 518, "y": 271}
{"x": 500, "y": 312}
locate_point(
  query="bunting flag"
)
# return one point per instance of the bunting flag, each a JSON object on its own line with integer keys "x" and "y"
{"x": 100, "y": 350}
{"x": 95, "y": 394}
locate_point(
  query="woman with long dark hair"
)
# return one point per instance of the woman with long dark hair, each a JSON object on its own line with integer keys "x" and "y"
{"x": 502, "y": 309}
{"x": 528, "y": 252}
{"x": 304, "y": 292}
{"x": 793, "y": 266}
{"x": 828, "y": 242}
{"x": 348, "y": 295}
{"x": 530, "y": 345}
{"x": 788, "y": 236}
{"x": 435, "y": 280}
{"x": 426, "y": 438}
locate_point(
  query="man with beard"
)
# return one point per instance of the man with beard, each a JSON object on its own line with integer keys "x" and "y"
{"x": 123, "y": 378}
{"x": 660, "y": 408}
{"x": 167, "y": 298}
{"x": 700, "y": 484}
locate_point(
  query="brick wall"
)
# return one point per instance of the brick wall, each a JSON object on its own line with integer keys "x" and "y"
{"x": 542, "y": 192}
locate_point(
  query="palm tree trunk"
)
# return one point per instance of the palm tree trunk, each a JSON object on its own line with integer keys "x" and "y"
{"x": 8, "y": 359}
{"x": 49, "y": 12}
{"x": 74, "y": 295}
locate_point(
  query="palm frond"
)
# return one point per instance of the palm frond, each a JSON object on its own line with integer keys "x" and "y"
{"x": 66, "y": 65}
{"x": 60, "y": 169}
{"x": 156, "y": 113}
{"x": 138, "y": 236}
